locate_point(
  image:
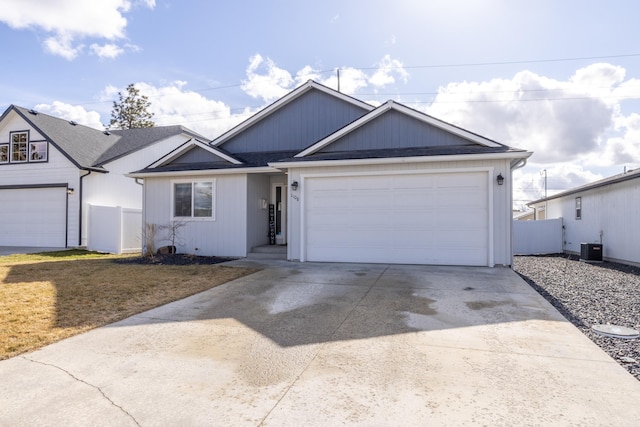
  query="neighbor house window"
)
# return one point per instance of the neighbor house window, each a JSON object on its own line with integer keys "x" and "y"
{"x": 19, "y": 143}
{"x": 193, "y": 199}
{"x": 4, "y": 153}
{"x": 578, "y": 207}
{"x": 38, "y": 151}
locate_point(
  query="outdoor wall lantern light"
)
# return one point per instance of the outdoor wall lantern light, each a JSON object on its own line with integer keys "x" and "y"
{"x": 294, "y": 185}
{"x": 500, "y": 179}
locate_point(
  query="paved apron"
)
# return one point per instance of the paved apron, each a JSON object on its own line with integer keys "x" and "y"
{"x": 330, "y": 344}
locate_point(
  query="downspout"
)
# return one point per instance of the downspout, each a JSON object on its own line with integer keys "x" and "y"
{"x": 143, "y": 231}
{"x": 517, "y": 165}
{"x": 80, "y": 207}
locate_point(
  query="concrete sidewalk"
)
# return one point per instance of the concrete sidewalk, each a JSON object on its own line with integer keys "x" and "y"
{"x": 330, "y": 344}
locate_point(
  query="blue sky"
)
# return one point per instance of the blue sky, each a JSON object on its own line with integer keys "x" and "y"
{"x": 559, "y": 78}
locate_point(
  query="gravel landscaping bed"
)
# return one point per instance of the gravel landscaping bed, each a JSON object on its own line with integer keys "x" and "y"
{"x": 588, "y": 294}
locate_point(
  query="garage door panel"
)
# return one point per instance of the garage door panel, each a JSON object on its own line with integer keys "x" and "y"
{"x": 432, "y": 218}
{"x": 33, "y": 217}
{"x": 459, "y": 219}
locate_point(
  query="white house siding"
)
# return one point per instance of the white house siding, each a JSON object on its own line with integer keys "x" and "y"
{"x": 257, "y": 216}
{"x": 500, "y": 239}
{"x": 610, "y": 215}
{"x": 58, "y": 170}
{"x": 115, "y": 189}
{"x": 226, "y": 235}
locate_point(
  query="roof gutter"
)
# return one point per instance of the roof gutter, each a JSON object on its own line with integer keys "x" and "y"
{"x": 519, "y": 163}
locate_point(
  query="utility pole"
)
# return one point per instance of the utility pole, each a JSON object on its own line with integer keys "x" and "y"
{"x": 338, "y": 73}
{"x": 544, "y": 173}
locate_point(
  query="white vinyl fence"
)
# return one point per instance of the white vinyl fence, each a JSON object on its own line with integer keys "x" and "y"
{"x": 114, "y": 229}
{"x": 537, "y": 237}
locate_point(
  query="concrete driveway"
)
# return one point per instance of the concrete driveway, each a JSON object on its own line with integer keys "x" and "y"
{"x": 327, "y": 344}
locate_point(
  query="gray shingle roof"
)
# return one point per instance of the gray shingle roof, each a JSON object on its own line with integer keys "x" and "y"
{"x": 401, "y": 152}
{"x": 135, "y": 139}
{"x": 634, "y": 174}
{"x": 82, "y": 145}
{"x": 92, "y": 148}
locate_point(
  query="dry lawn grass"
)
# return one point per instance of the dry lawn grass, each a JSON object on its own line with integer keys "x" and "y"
{"x": 45, "y": 298}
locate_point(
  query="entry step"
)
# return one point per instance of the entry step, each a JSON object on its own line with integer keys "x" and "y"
{"x": 268, "y": 252}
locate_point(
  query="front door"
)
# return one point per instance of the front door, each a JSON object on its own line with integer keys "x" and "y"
{"x": 279, "y": 200}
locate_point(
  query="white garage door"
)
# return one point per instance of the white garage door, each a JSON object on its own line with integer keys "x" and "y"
{"x": 33, "y": 217}
{"x": 436, "y": 218}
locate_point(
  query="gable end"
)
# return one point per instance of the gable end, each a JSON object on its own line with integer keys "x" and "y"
{"x": 394, "y": 130}
{"x": 296, "y": 125}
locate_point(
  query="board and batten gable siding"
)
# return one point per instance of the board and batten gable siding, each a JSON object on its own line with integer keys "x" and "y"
{"x": 115, "y": 188}
{"x": 58, "y": 169}
{"x": 393, "y": 130}
{"x": 501, "y": 195}
{"x": 226, "y": 235}
{"x": 296, "y": 125}
{"x": 257, "y": 218}
{"x": 610, "y": 213}
{"x": 198, "y": 155}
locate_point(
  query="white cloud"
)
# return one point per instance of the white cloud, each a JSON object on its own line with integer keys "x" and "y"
{"x": 173, "y": 105}
{"x": 574, "y": 127}
{"x": 384, "y": 75}
{"x": 558, "y": 120}
{"x": 529, "y": 184}
{"x": 67, "y": 22}
{"x": 75, "y": 113}
{"x": 622, "y": 149}
{"x": 62, "y": 46}
{"x": 265, "y": 80}
{"x": 108, "y": 50}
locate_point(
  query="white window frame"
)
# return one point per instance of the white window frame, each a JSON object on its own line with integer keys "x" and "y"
{"x": 8, "y": 154}
{"x": 193, "y": 182}
{"x": 578, "y": 208}
{"x": 44, "y": 153}
{"x": 12, "y": 144}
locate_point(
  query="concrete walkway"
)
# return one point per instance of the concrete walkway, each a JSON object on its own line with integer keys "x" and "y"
{"x": 327, "y": 344}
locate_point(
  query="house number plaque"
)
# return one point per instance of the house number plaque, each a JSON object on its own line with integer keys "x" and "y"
{"x": 272, "y": 224}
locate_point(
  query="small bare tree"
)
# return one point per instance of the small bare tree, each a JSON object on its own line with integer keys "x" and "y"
{"x": 172, "y": 231}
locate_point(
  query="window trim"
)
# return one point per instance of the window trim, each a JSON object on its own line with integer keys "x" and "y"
{"x": 30, "y": 144}
{"x": 192, "y": 217}
{"x": 12, "y": 144}
{"x": 578, "y": 208}
{"x": 5, "y": 145}
{"x": 46, "y": 152}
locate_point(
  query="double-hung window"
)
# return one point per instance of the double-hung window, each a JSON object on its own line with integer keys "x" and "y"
{"x": 193, "y": 199}
{"x": 578, "y": 207}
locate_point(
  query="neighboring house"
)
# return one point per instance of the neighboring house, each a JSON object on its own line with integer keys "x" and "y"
{"x": 52, "y": 169}
{"x": 605, "y": 212}
{"x": 523, "y": 215}
{"x": 347, "y": 182}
